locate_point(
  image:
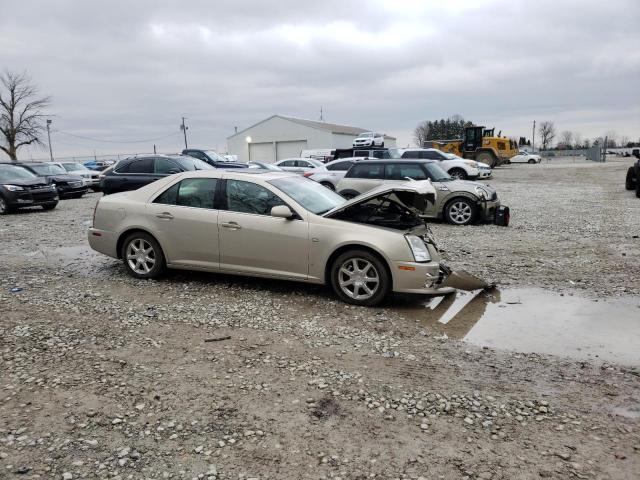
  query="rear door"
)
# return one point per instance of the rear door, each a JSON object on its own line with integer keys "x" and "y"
{"x": 254, "y": 242}
{"x": 363, "y": 176}
{"x": 185, "y": 220}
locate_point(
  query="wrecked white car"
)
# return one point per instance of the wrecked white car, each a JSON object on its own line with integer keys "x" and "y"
{"x": 278, "y": 225}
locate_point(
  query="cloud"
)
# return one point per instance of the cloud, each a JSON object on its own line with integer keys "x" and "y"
{"x": 130, "y": 70}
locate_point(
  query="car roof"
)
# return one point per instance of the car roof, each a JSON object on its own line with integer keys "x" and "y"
{"x": 396, "y": 160}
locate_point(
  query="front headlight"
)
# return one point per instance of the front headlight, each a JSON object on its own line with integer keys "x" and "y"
{"x": 472, "y": 163}
{"x": 13, "y": 188}
{"x": 482, "y": 193}
{"x": 418, "y": 248}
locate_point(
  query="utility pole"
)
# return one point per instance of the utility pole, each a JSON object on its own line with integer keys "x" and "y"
{"x": 533, "y": 137}
{"x": 321, "y": 116}
{"x": 184, "y": 128}
{"x": 49, "y": 135}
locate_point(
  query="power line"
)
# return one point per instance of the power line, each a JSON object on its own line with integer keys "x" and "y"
{"x": 116, "y": 141}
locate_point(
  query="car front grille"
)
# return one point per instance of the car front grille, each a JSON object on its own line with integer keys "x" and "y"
{"x": 75, "y": 184}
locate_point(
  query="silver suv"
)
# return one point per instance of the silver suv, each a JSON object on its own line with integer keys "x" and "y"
{"x": 458, "y": 202}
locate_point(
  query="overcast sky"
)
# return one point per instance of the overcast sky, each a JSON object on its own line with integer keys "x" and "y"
{"x": 129, "y": 70}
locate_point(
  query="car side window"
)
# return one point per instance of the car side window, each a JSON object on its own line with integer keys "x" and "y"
{"x": 361, "y": 153}
{"x": 248, "y": 197}
{"x": 411, "y": 154}
{"x": 302, "y": 163}
{"x": 400, "y": 171}
{"x": 363, "y": 170}
{"x": 191, "y": 192}
{"x": 165, "y": 166}
{"x": 340, "y": 166}
{"x": 122, "y": 168}
{"x": 142, "y": 165}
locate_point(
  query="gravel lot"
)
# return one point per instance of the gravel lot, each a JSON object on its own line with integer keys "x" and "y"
{"x": 103, "y": 376}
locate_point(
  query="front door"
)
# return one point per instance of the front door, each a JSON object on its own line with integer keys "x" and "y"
{"x": 401, "y": 172}
{"x": 186, "y": 223}
{"x": 254, "y": 242}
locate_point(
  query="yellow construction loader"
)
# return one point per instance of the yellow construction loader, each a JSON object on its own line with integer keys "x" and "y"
{"x": 480, "y": 144}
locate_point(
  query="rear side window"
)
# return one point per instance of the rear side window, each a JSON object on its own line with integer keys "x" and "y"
{"x": 340, "y": 166}
{"x": 431, "y": 155}
{"x": 164, "y": 166}
{"x": 288, "y": 163}
{"x": 191, "y": 192}
{"x": 361, "y": 153}
{"x": 411, "y": 154}
{"x": 364, "y": 170}
{"x": 400, "y": 171}
{"x": 141, "y": 165}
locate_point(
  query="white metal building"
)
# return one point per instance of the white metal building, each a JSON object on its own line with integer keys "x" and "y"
{"x": 279, "y": 137}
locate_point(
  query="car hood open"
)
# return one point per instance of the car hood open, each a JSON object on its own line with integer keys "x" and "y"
{"x": 413, "y": 194}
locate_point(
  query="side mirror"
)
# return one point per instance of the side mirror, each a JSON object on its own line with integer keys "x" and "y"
{"x": 281, "y": 211}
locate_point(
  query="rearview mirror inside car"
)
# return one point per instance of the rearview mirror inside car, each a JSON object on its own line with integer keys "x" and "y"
{"x": 281, "y": 211}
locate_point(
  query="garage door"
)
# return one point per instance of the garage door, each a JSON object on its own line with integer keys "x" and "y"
{"x": 262, "y": 152}
{"x": 290, "y": 149}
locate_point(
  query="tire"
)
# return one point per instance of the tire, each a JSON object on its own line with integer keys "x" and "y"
{"x": 329, "y": 185}
{"x": 630, "y": 182}
{"x": 638, "y": 188}
{"x": 486, "y": 157}
{"x": 458, "y": 173}
{"x": 146, "y": 264}
{"x": 460, "y": 211}
{"x": 5, "y": 208}
{"x": 532, "y": 161}
{"x": 369, "y": 266}
{"x": 49, "y": 206}
{"x": 348, "y": 195}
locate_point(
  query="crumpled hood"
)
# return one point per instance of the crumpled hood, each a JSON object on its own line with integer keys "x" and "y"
{"x": 467, "y": 186}
{"x": 64, "y": 178}
{"x": 414, "y": 195}
{"x": 27, "y": 182}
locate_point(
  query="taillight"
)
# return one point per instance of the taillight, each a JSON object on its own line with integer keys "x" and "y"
{"x": 307, "y": 174}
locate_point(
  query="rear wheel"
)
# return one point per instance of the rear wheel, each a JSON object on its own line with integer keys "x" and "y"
{"x": 329, "y": 185}
{"x": 348, "y": 195}
{"x": 49, "y": 206}
{"x": 486, "y": 157}
{"x": 532, "y": 161}
{"x": 458, "y": 173}
{"x": 142, "y": 256}
{"x": 630, "y": 182}
{"x": 5, "y": 208}
{"x": 460, "y": 211}
{"x": 360, "y": 278}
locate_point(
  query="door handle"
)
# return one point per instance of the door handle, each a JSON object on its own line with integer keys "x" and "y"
{"x": 232, "y": 225}
{"x": 165, "y": 215}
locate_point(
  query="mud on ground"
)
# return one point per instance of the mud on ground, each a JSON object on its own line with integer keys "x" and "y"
{"x": 102, "y": 376}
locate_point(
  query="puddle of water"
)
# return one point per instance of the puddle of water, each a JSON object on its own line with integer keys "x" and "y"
{"x": 536, "y": 320}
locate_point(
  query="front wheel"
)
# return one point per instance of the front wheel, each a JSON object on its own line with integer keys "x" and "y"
{"x": 5, "y": 208}
{"x": 532, "y": 161}
{"x": 458, "y": 174}
{"x": 348, "y": 195}
{"x": 360, "y": 278}
{"x": 142, "y": 256}
{"x": 49, "y": 206}
{"x": 460, "y": 211}
{"x": 328, "y": 185}
{"x": 630, "y": 181}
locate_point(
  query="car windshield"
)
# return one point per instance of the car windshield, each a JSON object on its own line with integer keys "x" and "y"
{"x": 14, "y": 172}
{"x": 191, "y": 163}
{"x": 74, "y": 167}
{"x": 311, "y": 195}
{"x": 44, "y": 169}
{"x": 365, "y": 135}
{"x": 436, "y": 173}
{"x": 215, "y": 156}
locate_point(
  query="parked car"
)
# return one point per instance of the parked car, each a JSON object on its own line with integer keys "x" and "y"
{"x": 91, "y": 177}
{"x": 459, "y": 202}
{"x": 369, "y": 139}
{"x": 100, "y": 165}
{"x": 67, "y": 185}
{"x": 329, "y": 174}
{"x": 525, "y": 157}
{"x": 20, "y": 188}
{"x": 365, "y": 152}
{"x": 264, "y": 166}
{"x": 323, "y": 154}
{"x": 298, "y": 165}
{"x": 135, "y": 172}
{"x": 213, "y": 158}
{"x": 455, "y": 166}
{"x": 277, "y": 225}
{"x": 632, "y": 181}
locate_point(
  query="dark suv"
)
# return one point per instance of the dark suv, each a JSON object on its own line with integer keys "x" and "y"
{"x": 20, "y": 188}
{"x": 212, "y": 158}
{"x": 633, "y": 175}
{"x": 68, "y": 186}
{"x": 135, "y": 172}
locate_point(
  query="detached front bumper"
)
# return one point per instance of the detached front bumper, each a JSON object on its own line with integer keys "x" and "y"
{"x": 432, "y": 278}
{"x": 487, "y": 210}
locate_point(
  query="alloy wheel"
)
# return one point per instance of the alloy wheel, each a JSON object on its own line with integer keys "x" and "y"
{"x": 141, "y": 256}
{"x": 460, "y": 212}
{"x": 358, "y": 278}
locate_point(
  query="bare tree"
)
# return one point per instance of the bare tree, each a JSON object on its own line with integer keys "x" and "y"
{"x": 624, "y": 141}
{"x": 21, "y": 113}
{"x": 566, "y": 139}
{"x": 420, "y": 134}
{"x": 577, "y": 139}
{"x": 547, "y": 131}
